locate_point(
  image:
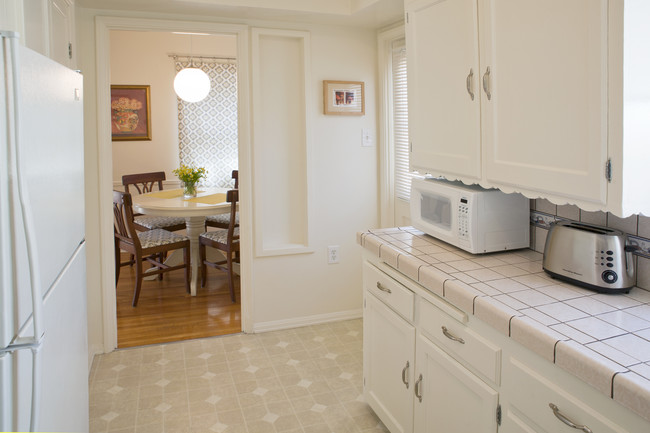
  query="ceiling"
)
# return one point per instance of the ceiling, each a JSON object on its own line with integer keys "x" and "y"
{"x": 360, "y": 13}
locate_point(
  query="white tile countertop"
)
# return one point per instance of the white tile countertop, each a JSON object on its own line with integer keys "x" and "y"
{"x": 603, "y": 339}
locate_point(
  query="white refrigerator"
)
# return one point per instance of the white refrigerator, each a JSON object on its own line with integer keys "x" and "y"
{"x": 43, "y": 325}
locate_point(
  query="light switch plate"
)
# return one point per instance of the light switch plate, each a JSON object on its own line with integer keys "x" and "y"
{"x": 367, "y": 138}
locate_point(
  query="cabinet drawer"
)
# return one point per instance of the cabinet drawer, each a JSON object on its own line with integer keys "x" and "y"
{"x": 392, "y": 293}
{"x": 532, "y": 395}
{"x": 465, "y": 345}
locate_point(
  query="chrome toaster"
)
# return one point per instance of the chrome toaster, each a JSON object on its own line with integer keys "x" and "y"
{"x": 594, "y": 257}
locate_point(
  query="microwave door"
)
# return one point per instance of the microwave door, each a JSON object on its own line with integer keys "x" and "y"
{"x": 436, "y": 212}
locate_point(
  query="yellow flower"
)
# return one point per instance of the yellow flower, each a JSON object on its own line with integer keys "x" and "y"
{"x": 189, "y": 174}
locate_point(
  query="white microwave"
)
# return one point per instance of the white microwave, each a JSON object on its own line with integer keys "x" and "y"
{"x": 469, "y": 217}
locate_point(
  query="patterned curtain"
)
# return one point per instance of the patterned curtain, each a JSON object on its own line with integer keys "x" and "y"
{"x": 207, "y": 130}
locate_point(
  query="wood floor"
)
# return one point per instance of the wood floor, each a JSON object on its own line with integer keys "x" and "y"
{"x": 166, "y": 312}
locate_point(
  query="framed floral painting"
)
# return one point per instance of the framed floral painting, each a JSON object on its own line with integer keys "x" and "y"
{"x": 130, "y": 113}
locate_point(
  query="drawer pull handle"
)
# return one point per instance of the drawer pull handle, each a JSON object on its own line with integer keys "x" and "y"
{"x": 486, "y": 83}
{"x": 559, "y": 415}
{"x": 382, "y": 288}
{"x": 452, "y": 336}
{"x": 404, "y": 375}
{"x": 468, "y": 83}
{"x": 417, "y": 389}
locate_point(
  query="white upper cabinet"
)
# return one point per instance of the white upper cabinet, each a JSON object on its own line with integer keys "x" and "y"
{"x": 544, "y": 124}
{"x": 61, "y": 24}
{"x": 45, "y": 26}
{"x": 443, "y": 71}
{"x": 561, "y": 97}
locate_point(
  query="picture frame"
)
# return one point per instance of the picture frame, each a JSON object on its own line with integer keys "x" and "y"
{"x": 344, "y": 98}
{"x": 130, "y": 112}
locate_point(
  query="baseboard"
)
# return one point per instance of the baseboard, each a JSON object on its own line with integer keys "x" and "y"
{"x": 93, "y": 350}
{"x": 298, "y": 322}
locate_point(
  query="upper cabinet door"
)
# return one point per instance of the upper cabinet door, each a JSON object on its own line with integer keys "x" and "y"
{"x": 61, "y": 16}
{"x": 544, "y": 127}
{"x": 443, "y": 73}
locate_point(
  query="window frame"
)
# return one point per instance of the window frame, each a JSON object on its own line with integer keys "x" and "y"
{"x": 387, "y": 199}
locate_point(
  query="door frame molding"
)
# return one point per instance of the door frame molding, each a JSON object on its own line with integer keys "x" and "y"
{"x": 103, "y": 27}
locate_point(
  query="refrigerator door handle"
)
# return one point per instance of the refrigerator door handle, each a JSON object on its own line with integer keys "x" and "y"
{"x": 22, "y": 344}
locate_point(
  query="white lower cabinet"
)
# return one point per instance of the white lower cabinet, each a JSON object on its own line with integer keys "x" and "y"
{"x": 388, "y": 358}
{"x": 412, "y": 383}
{"x": 431, "y": 368}
{"x": 449, "y": 398}
{"x": 537, "y": 404}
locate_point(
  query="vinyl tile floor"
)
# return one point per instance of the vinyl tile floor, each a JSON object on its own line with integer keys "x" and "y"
{"x": 301, "y": 380}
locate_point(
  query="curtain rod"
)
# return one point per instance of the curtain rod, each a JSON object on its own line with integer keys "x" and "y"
{"x": 200, "y": 57}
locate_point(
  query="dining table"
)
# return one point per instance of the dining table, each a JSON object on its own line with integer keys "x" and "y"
{"x": 171, "y": 202}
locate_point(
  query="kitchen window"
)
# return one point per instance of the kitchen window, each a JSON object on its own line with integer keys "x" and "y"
{"x": 395, "y": 177}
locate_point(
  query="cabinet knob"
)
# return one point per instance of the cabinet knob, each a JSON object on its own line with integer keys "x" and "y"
{"x": 559, "y": 415}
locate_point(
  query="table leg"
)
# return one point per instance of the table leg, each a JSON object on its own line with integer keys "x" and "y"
{"x": 195, "y": 226}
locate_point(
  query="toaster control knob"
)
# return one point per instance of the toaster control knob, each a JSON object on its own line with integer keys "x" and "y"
{"x": 609, "y": 277}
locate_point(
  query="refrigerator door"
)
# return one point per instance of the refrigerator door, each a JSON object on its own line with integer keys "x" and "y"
{"x": 64, "y": 358}
{"x": 51, "y": 140}
{"x": 49, "y": 110}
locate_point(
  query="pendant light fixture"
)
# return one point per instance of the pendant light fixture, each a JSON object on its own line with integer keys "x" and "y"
{"x": 191, "y": 84}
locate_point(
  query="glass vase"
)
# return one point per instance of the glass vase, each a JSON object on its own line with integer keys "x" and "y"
{"x": 189, "y": 189}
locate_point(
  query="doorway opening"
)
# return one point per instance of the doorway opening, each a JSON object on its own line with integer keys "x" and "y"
{"x": 200, "y": 134}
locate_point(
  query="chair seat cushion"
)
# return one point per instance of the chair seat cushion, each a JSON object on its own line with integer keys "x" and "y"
{"x": 223, "y": 218}
{"x": 158, "y": 237}
{"x": 220, "y": 236}
{"x": 157, "y": 222}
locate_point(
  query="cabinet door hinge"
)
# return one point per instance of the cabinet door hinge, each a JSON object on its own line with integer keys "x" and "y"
{"x": 70, "y": 50}
{"x": 608, "y": 170}
{"x": 498, "y": 414}
{"x": 407, "y": 18}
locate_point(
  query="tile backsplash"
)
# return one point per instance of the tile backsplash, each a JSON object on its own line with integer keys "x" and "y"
{"x": 543, "y": 213}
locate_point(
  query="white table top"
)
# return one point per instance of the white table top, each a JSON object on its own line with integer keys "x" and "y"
{"x": 209, "y": 201}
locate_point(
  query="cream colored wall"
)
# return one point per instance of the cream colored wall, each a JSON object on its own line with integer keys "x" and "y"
{"x": 141, "y": 58}
{"x": 293, "y": 289}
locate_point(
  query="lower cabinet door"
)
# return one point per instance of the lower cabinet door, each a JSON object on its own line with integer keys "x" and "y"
{"x": 448, "y": 397}
{"x": 388, "y": 357}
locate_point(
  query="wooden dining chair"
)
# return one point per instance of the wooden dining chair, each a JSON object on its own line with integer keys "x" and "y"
{"x": 221, "y": 221}
{"x": 145, "y": 246}
{"x": 144, "y": 183}
{"x": 225, "y": 240}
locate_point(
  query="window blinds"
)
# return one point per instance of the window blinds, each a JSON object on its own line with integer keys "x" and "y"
{"x": 402, "y": 174}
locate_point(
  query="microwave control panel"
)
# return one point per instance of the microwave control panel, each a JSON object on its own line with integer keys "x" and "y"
{"x": 463, "y": 218}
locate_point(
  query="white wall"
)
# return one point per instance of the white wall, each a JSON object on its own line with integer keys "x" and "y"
{"x": 141, "y": 58}
{"x": 343, "y": 194}
{"x": 294, "y": 289}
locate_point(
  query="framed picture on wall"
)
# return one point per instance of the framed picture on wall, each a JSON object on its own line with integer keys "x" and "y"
{"x": 130, "y": 113}
{"x": 343, "y": 98}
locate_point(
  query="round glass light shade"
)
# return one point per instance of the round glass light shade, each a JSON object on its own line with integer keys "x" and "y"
{"x": 192, "y": 84}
